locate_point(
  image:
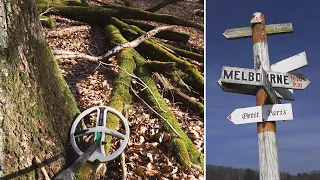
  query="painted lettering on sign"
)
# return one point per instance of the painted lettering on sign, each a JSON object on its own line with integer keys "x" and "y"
{"x": 250, "y": 115}
{"x": 242, "y": 75}
{"x": 276, "y": 113}
{"x": 277, "y": 78}
{"x": 235, "y": 75}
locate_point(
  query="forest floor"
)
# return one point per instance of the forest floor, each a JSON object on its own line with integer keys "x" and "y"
{"x": 148, "y": 154}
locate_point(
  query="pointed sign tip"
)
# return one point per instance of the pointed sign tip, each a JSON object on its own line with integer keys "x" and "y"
{"x": 225, "y": 35}
{"x": 229, "y": 117}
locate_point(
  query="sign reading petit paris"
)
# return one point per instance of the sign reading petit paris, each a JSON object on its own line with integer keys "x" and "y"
{"x": 276, "y": 112}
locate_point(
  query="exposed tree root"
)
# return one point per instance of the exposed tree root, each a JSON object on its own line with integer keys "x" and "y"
{"x": 47, "y": 22}
{"x": 183, "y": 145}
{"x": 195, "y": 105}
{"x": 101, "y": 15}
{"x": 153, "y": 51}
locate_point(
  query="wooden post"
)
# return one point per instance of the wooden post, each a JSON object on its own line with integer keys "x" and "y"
{"x": 267, "y": 139}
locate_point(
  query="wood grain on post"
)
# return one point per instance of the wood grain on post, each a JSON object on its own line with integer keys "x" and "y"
{"x": 267, "y": 140}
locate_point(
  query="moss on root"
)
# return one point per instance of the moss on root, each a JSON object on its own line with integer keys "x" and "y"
{"x": 184, "y": 148}
{"x": 185, "y": 53}
{"x": 153, "y": 51}
{"x": 48, "y": 22}
{"x": 120, "y": 95}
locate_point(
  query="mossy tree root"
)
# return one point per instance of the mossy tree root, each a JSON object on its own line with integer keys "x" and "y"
{"x": 185, "y": 53}
{"x": 135, "y": 28}
{"x": 101, "y": 15}
{"x": 153, "y": 51}
{"x": 185, "y": 150}
{"x": 120, "y": 97}
{"x": 47, "y": 22}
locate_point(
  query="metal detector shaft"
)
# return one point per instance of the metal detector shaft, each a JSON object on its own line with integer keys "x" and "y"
{"x": 68, "y": 174}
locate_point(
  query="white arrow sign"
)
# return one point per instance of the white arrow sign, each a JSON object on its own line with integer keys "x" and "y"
{"x": 237, "y": 75}
{"x": 275, "y": 112}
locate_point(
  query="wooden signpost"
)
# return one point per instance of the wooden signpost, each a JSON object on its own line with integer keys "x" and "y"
{"x": 268, "y": 83}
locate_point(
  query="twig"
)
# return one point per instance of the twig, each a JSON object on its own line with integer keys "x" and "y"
{"x": 48, "y": 10}
{"x": 70, "y": 54}
{"x": 142, "y": 83}
{"x": 116, "y": 49}
{"x": 123, "y": 157}
{"x": 155, "y": 112}
{"x": 43, "y": 170}
{"x": 137, "y": 41}
{"x": 182, "y": 82}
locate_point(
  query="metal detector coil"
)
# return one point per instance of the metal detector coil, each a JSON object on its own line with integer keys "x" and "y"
{"x": 100, "y": 131}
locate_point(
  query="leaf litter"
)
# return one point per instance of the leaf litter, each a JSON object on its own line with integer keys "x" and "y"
{"x": 149, "y": 151}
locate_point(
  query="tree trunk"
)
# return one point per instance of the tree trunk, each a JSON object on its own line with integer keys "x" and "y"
{"x": 36, "y": 105}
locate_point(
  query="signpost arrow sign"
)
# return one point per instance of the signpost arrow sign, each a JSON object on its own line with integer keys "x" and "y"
{"x": 287, "y": 65}
{"x": 237, "y": 75}
{"x": 276, "y": 112}
{"x": 271, "y": 29}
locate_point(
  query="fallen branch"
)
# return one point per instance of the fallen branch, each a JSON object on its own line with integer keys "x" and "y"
{"x": 155, "y": 112}
{"x": 50, "y": 9}
{"x": 168, "y": 35}
{"x": 137, "y": 41}
{"x": 132, "y": 44}
{"x": 123, "y": 156}
{"x": 194, "y": 105}
{"x": 60, "y": 54}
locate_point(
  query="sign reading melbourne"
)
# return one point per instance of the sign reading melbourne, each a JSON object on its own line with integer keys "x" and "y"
{"x": 237, "y": 75}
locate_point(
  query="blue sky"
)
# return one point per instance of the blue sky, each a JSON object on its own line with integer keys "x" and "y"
{"x": 233, "y": 145}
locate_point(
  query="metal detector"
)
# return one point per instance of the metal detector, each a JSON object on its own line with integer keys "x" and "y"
{"x": 97, "y": 150}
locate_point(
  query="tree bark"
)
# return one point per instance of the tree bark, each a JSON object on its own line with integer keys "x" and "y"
{"x": 37, "y": 107}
